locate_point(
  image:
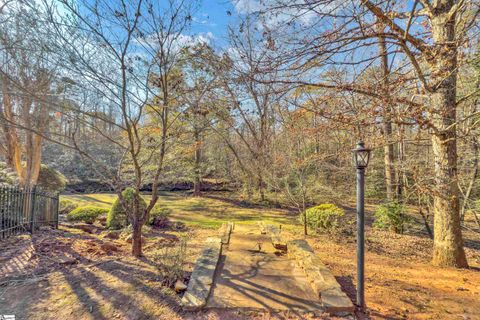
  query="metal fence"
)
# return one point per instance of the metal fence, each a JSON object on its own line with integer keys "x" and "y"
{"x": 26, "y": 209}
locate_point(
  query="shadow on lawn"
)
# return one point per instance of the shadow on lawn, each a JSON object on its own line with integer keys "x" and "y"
{"x": 92, "y": 199}
{"x": 243, "y": 203}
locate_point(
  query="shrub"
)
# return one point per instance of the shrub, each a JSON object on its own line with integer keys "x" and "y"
{"x": 159, "y": 216}
{"x": 391, "y": 216}
{"x": 66, "y": 206}
{"x": 87, "y": 214}
{"x": 324, "y": 217}
{"x": 117, "y": 217}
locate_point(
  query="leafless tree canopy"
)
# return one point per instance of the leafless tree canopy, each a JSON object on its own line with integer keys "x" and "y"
{"x": 124, "y": 93}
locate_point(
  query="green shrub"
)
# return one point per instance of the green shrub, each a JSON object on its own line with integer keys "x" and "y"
{"x": 66, "y": 206}
{"x": 159, "y": 216}
{"x": 391, "y": 216}
{"x": 117, "y": 217}
{"x": 87, "y": 214}
{"x": 324, "y": 217}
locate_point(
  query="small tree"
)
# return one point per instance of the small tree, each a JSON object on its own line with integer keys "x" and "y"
{"x": 130, "y": 49}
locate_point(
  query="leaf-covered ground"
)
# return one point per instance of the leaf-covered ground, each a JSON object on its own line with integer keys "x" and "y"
{"x": 74, "y": 274}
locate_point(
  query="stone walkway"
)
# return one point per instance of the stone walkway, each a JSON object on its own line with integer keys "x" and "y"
{"x": 253, "y": 279}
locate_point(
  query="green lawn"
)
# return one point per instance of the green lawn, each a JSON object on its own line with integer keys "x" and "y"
{"x": 201, "y": 212}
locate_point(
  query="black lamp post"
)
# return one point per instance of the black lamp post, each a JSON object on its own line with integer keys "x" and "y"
{"x": 361, "y": 156}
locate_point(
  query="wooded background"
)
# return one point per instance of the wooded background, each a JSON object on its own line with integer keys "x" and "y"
{"x": 115, "y": 94}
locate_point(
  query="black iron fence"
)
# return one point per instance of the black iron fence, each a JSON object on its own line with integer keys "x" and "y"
{"x": 26, "y": 209}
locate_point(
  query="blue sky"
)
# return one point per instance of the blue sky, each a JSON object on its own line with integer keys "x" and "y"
{"x": 212, "y": 17}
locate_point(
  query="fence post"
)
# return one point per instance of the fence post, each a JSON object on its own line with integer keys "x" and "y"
{"x": 32, "y": 208}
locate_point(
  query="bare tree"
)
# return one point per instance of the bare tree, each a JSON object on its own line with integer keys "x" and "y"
{"x": 129, "y": 52}
{"x": 29, "y": 86}
{"x": 429, "y": 36}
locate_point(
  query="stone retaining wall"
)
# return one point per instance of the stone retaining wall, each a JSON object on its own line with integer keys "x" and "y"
{"x": 321, "y": 279}
{"x": 202, "y": 276}
{"x": 225, "y": 232}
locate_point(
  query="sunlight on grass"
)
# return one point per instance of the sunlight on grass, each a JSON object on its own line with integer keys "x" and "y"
{"x": 199, "y": 212}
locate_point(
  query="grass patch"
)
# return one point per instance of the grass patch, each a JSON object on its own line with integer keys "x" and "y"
{"x": 197, "y": 212}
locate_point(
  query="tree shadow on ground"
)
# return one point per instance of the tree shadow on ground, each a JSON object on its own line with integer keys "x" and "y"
{"x": 243, "y": 203}
{"x": 88, "y": 198}
{"x": 350, "y": 290}
{"x": 82, "y": 282}
{"x": 264, "y": 297}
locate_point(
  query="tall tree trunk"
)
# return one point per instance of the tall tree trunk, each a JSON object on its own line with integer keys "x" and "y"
{"x": 197, "y": 181}
{"x": 387, "y": 124}
{"x": 401, "y": 179}
{"x": 261, "y": 187}
{"x": 473, "y": 178}
{"x": 448, "y": 243}
{"x": 13, "y": 148}
{"x": 305, "y": 229}
{"x": 36, "y": 159}
{"x": 137, "y": 239}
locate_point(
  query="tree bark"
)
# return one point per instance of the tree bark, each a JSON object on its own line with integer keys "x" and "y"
{"x": 197, "y": 181}
{"x": 305, "y": 229}
{"x": 137, "y": 239}
{"x": 401, "y": 178}
{"x": 471, "y": 183}
{"x": 448, "y": 243}
{"x": 13, "y": 156}
{"x": 261, "y": 187}
{"x": 387, "y": 124}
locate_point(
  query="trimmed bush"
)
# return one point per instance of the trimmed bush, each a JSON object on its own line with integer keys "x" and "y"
{"x": 117, "y": 218}
{"x": 66, "y": 206}
{"x": 324, "y": 217}
{"x": 159, "y": 216}
{"x": 391, "y": 216}
{"x": 87, "y": 214}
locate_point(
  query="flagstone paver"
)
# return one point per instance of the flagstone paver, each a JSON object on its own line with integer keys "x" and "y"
{"x": 253, "y": 274}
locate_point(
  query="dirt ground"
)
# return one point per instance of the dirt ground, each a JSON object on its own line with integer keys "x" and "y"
{"x": 401, "y": 283}
{"x": 70, "y": 273}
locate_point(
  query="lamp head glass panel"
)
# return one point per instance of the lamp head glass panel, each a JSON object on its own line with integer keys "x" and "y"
{"x": 361, "y": 155}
